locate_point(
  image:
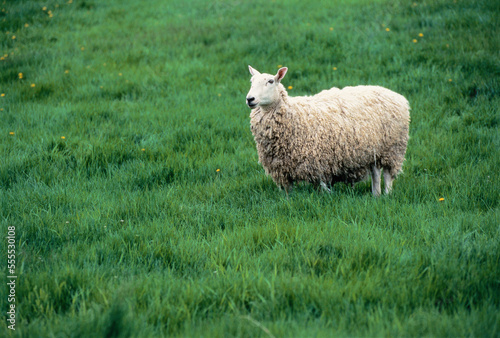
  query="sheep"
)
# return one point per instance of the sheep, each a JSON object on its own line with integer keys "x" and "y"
{"x": 337, "y": 135}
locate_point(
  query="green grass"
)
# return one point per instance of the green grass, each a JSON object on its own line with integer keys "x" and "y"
{"x": 126, "y": 228}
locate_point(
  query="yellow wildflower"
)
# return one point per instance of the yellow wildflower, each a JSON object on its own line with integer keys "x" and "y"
{"x": 63, "y": 137}
{"x": 32, "y": 85}
{"x": 2, "y": 95}
{"x": 217, "y": 170}
{"x": 20, "y": 75}
{"x": 420, "y": 34}
{"x": 334, "y": 68}
{"x": 11, "y": 133}
{"x": 331, "y": 28}
{"x": 387, "y": 29}
{"x": 441, "y": 199}
{"x": 44, "y": 8}
{"x": 414, "y": 40}
{"x": 290, "y": 87}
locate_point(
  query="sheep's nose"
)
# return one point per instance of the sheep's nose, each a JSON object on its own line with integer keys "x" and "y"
{"x": 250, "y": 99}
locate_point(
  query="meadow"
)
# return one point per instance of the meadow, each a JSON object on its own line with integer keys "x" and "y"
{"x": 130, "y": 174}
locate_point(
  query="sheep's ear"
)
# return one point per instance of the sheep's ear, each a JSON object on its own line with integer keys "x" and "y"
{"x": 281, "y": 74}
{"x": 253, "y": 71}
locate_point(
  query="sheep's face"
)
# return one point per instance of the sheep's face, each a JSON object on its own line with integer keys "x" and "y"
{"x": 264, "y": 90}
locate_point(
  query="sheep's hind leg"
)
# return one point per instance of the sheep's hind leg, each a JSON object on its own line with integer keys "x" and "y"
{"x": 388, "y": 178}
{"x": 376, "y": 180}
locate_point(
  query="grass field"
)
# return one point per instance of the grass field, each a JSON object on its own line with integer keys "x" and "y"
{"x": 130, "y": 174}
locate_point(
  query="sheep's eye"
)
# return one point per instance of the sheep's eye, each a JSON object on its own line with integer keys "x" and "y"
{"x": 270, "y": 81}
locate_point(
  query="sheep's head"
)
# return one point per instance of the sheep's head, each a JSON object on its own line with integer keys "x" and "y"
{"x": 264, "y": 90}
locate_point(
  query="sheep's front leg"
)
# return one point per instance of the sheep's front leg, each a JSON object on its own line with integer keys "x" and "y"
{"x": 325, "y": 188}
{"x": 376, "y": 180}
{"x": 286, "y": 188}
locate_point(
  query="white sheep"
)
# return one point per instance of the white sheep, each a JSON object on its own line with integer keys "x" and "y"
{"x": 337, "y": 135}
